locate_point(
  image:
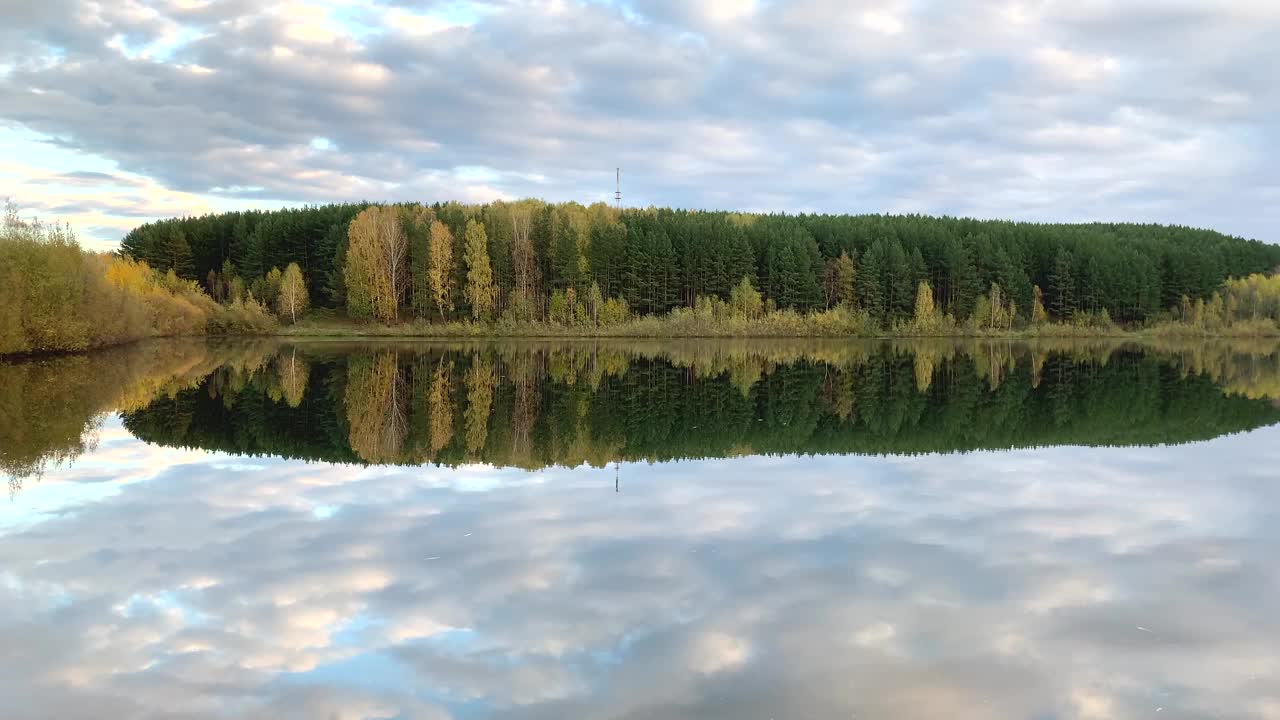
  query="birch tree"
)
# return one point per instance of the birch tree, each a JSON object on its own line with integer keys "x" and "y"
{"x": 524, "y": 261}
{"x": 376, "y": 272}
{"x": 441, "y": 260}
{"x": 480, "y": 290}
{"x": 293, "y": 299}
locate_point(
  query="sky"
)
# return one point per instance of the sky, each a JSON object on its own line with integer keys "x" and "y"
{"x": 119, "y": 111}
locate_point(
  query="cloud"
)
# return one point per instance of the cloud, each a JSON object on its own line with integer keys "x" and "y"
{"x": 1148, "y": 111}
{"x": 101, "y": 206}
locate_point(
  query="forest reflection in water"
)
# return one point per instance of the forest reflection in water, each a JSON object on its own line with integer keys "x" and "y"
{"x": 804, "y": 554}
{"x": 536, "y": 404}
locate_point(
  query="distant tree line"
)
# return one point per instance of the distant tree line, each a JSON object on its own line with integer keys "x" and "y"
{"x": 531, "y": 260}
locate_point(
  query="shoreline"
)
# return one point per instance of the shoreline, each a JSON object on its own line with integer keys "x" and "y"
{"x": 660, "y": 329}
{"x": 316, "y": 331}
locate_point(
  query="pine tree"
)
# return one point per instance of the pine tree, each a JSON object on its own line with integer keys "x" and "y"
{"x": 607, "y": 255}
{"x": 417, "y": 228}
{"x": 175, "y": 255}
{"x": 899, "y": 282}
{"x": 666, "y": 291}
{"x": 870, "y": 284}
{"x": 1062, "y": 287}
{"x": 846, "y": 275}
{"x": 564, "y": 260}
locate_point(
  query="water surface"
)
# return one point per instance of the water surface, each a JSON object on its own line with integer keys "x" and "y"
{"x": 641, "y": 530}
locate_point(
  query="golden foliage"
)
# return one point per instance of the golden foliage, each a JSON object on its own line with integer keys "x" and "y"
{"x": 293, "y": 299}
{"x": 481, "y": 293}
{"x": 377, "y": 264}
{"x": 58, "y": 297}
{"x": 441, "y": 261}
{"x": 1039, "y": 316}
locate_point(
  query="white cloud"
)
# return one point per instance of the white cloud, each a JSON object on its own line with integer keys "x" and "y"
{"x": 718, "y": 652}
{"x": 725, "y": 11}
{"x": 1123, "y": 106}
{"x": 881, "y": 22}
{"x": 1075, "y": 67}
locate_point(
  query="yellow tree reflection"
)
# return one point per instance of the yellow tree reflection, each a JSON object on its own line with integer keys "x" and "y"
{"x": 377, "y": 407}
{"x": 480, "y": 382}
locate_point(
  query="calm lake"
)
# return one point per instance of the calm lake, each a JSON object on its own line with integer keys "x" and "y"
{"x": 737, "y": 529}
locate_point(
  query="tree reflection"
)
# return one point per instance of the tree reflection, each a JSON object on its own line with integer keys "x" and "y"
{"x": 53, "y": 407}
{"x": 480, "y": 382}
{"x": 376, "y": 403}
{"x": 293, "y": 373}
{"x": 533, "y": 404}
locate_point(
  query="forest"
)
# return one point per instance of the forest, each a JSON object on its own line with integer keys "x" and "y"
{"x": 536, "y": 268}
{"x": 598, "y": 265}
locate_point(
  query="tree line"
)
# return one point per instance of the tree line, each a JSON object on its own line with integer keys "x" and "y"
{"x": 531, "y": 260}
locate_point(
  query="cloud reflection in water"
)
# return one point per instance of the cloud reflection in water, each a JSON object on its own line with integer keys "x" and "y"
{"x": 1063, "y": 582}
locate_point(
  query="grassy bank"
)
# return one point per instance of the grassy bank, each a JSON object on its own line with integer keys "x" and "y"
{"x": 688, "y": 324}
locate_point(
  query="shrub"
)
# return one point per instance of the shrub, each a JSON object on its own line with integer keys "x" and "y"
{"x": 57, "y": 297}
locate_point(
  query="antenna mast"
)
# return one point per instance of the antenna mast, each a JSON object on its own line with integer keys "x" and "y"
{"x": 617, "y": 195}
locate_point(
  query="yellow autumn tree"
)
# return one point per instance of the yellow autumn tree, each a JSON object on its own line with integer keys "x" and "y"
{"x": 293, "y": 299}
{"x": 376, "y": 271}
{"x": 926, "y": 312}
{"x": 745, "y": 299}
{"x": 55, "y": 296}
{"x": 438, "y": 266}
{"x": 1038, "y": 314}
{"x": 480, "y": 289}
